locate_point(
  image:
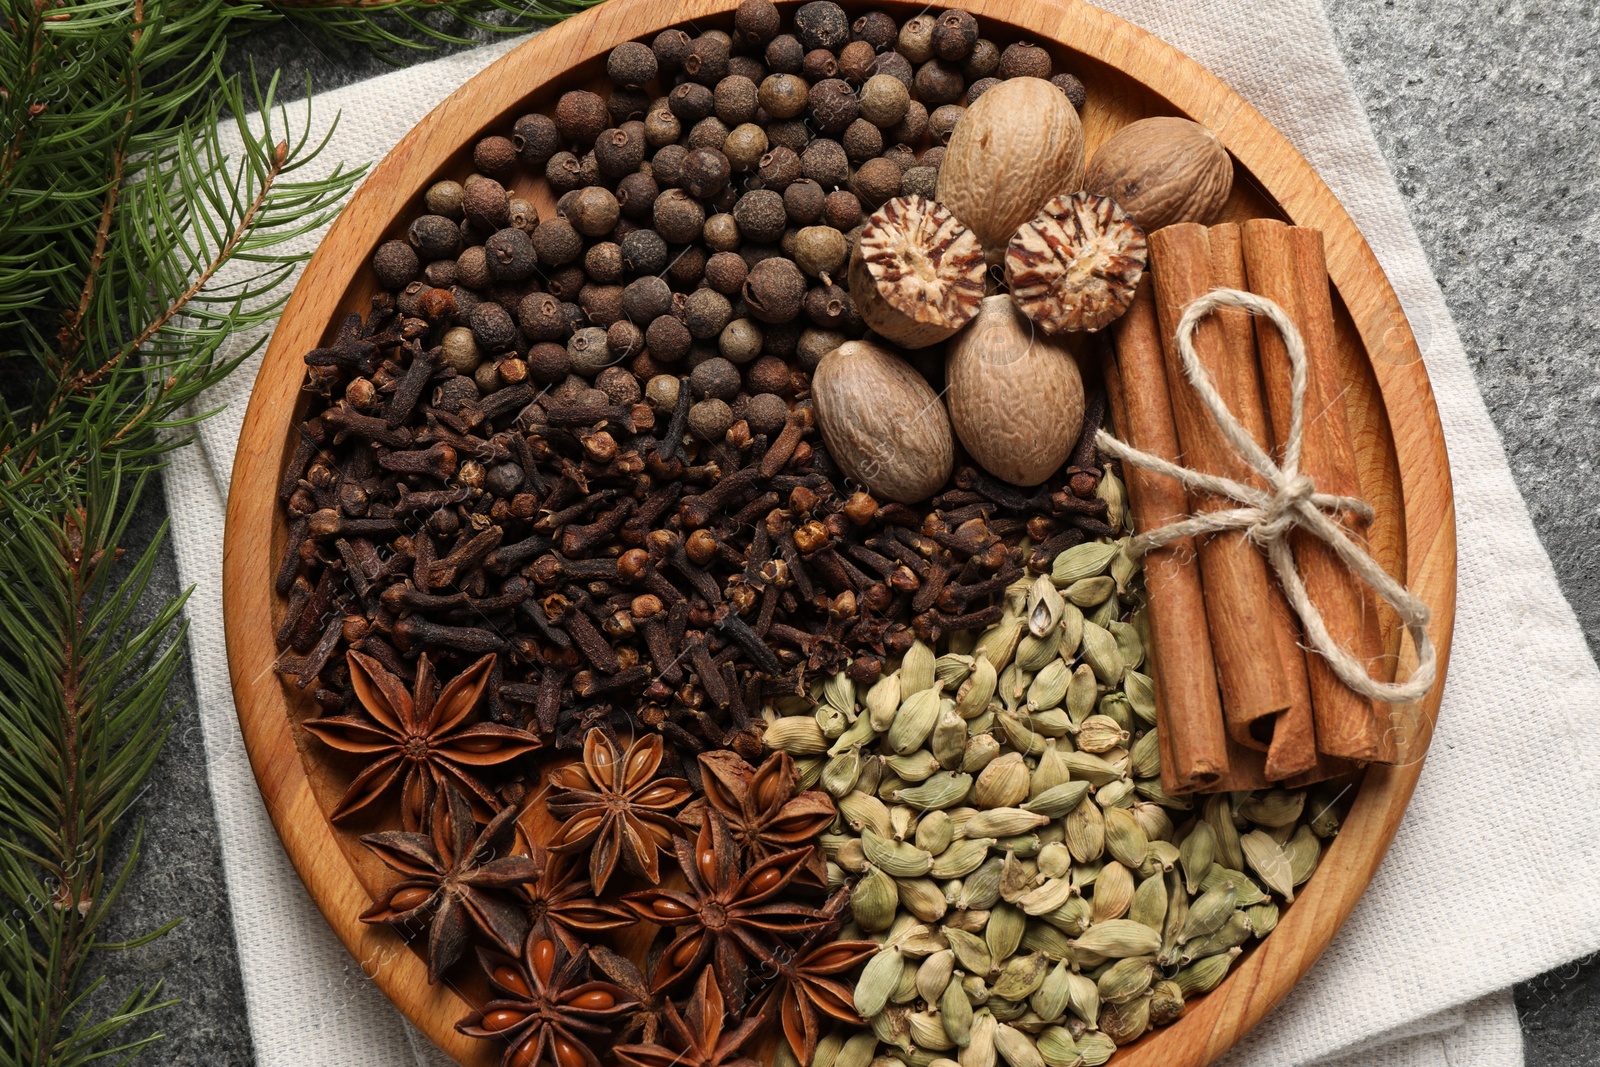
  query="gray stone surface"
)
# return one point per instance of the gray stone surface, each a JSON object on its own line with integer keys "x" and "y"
{"x": 1487, "y": 113}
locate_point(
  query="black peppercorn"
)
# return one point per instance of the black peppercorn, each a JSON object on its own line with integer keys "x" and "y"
{"x": 707, "y": 61}
{"x": 691, "y": 102}
{"x": 783, "y": 96}
{"x": 1073, "y": 88}
{"x": 678, "y": 217}
{"x": 670, "y": 47}
{"x": 876, "y": 28}
{"x": 646, "y": 299}
{"x": 668, "y": 338}
{"x": 687, "y": 269}
{"x": 644, "y": 252}
{"x": 983, "y": 61}
{"x": 603, "y": 263}
{"x": 825, "y": 163}
{"x": 942, "y": 123}
{"x": 862, "y": 140}
{"x": 725, "y": 272}
{"x": 564, "y": 172}
{"x": 785, "y": 54}
{"x": 709, "y": 132}
{"x": 619, "y": 151}
{"x": 857, "y": 62}
{"x": 842, "y": 209}
{"x": 919, "y": 181}
{"x": 495, "y": 156}
{"x": 396, "y": 264}
{"x": 822, "y": 24}
{"x": 492, "y": 327}
{"x": 666, "y": 166}
{"x": 833, "y": 106}
{"x": 636, "y": 195}
{"x": 434, "y": 236}
{"x": 954, "y": 34}
{"x": 775, "y": 289}
{"x": 557, "y": 243}
{"x": 755, "y": 22}
{"x": 510, "y": 255}
{"x": 734, "y": 100}
{"x": 792, "y": 134}
{"x": 580, "y": 116}
{"x": 539, "y": 315}
{"x": 593, "y": 211}
{"x": 1025, "y": 60}
{"x": 631, "y": 65}
{"x": 536, "y": 139}
{"x": 706, "y": 312}
{"x": 803, "y": 201}
{"x": 705, "y": 172}
{"x": 978, "y": 88}
{"x": 761, "y": 215}
{"x": 818, "y": 65}
{"x": 710, "y": 419}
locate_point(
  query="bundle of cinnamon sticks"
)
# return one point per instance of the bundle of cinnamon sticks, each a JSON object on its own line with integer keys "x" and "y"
{"x": 1243, "y": 703}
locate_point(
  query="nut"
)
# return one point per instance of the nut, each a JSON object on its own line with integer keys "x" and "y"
{"x": 1019, "y": 144}
{"x": 1077, "y": 265}
{"x": 1163, "y": 170}
{"x": 883, "y": 422}
{"x": 1016, "y": 399}
{"x": 917, "y": 274}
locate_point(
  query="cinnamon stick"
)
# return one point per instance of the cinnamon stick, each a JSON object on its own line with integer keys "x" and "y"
{"x": 1286, "y": 265}
{"x": 1194, "y": 743}
{"x": 1288, "y": 739}
{"x": 1233, "y": 571}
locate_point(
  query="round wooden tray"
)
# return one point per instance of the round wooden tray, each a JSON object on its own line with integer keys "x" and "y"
{"x": 1130, "y": 75}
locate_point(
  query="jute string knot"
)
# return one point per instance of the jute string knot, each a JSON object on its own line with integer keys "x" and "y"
{"x": 1290, "y": 501}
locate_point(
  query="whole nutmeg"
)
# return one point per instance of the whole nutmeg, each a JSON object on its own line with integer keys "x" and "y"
{"x": 882, "y": 422}
{"x": 1017, "y": 146}
{"x": 884, "y": 100}
{"x": 774, "y": 290}
{"x": 1077, "y": 264}
{"x": 1015, "y": 396}
{"x": 1162, "y": 171}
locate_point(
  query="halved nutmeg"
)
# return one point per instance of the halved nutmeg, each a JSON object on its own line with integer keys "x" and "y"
{"x": 1076, "y": 266}
{"x": 917, "y": 274}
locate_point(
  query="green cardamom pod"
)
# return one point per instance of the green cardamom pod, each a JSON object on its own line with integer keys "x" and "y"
{"x": 1003, "y": 932}
{"x": 916, "y": 766}
{"x": 933, "y": 975}
{"x": 1126, "y": 979}
{"x": 1166, "y": 1004}
{"x": 1073, "y": 917}
{"x": 1113, "y": 892}
{"x": 892, "y": 1026}
{"x": 1145, "y": 756}
{"x": 851, "y": 856}
{"x": 1236, "y": 931}
{"x": 1057, "y": 801}
{"x": 1056, "y": 1046}
{"x": 1119, "y": 939}
{"x": 1268, "y": 860}
{"x": 1263, "y": 918}
{"x": 1083, "y": 692}
{"x": 976, "y": 692}
{"x": 980, "y": 1048}
{"x": 1090, "y": 768}
{"x": 1083, "y": 997}
{"x": 840, "y": 772}
{"x": 1157, "y": 824}
{"x": 1204, "y": 975}
{"x": 1219, "y": 813}
{"x": 928, "y": 1032}
{"x": 1090, "y": 592}
{"x": 1034, "y": 652}
{"x": 873, "y": 901}
{"x": 857, "y": 1052}
{"x": 1152, "y": 790}
{"x": 1125, "y": 1023}
{"x": 1208, "y": 912}
{"x": 1020, "y": 975}
{"x": 914, "y": 721}
{"x": 1140, "y": 689}
{"x": 1304, "y": 852}
{"x": 1129, "y": 644}
{"x": 1095, "y": 1048}
{"x": 1049, "y": 686}
{"x": 972, "y": 953}
{"x": 922, "y": 898}
{"x": 980, "y": 890}
{"x": 1082, "y": 561}
{"x": 1274, "y": 808}
{"x": 935, "y": 831}
{"x": 1020, "y": 734}
{"x": 1069, "y": 632}
{"x": 1114, "y": 706}
{"x": 917, "y": 669}
{"x": 1195, "y": 853}
{"x": 1118, "y": 794}
{"x": 882, "y": 701}
{"x": 951, "y": 669}
{"x": 1101, "y": 654}
{"x": 1051, "y": 722}
{"x": 998, "y": 644}
{"x": 1105, "y": 613}
{"x": 960, "y": 858}
{"x": 1016, "y": 1047}
{"x": 1054, "y": 860}
{"x": 1003, "y": 783}
{"x": 949, "y": 742}
{"x": 1249, "y": 892}
{"x": 1086, "y": 832}
{"x": 878, "y": 979}
{"x": 1044, "y": 899}
{"x": 1044, "y": 607}
{"x": 942, "y": 790}
{"x": 1100, "y": 733}
{"x": 981, "y": 750}
{"x": 863, "y": 811}
{"x": 831, "y": 721}
{"x": 861, "y": 732}
{"x": 1004, "y": 822}
{"x": 1049, "y": 1001}
{"x": 898, "y": 859}
{"x": 798, "y": 735}
{"x": 1042, "y": 937}
{"x": 906, "y": 990}
{"x": 1150, "y": 902}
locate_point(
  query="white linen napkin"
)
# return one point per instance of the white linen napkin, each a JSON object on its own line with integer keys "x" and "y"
{"x": 1491, "y": 877}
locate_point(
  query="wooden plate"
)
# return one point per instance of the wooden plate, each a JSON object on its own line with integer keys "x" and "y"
{"x": 1130, "y": 75}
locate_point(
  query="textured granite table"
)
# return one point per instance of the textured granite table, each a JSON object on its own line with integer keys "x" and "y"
{"x": 1487, "y": 112}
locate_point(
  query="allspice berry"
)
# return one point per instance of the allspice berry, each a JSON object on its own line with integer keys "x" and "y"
{"x": 1073, "y": 88}
{"x": 668, "y": 338}
{"x": 670, "y": 47}
{"x": 734, "y": 100}
{"x": 661, "y": 127}
{"x": 707, "y": 61}
{"x": 785, "y": 54}
{"x": 709, "y": 132}
{"x": 877, "y": 181}
{"x": 896, "y": 66}
{"x": 761, "y": 216}
{"x": 557, "y": 243}
{"x": 486, "y": 204}
{"x": 581, "y": 116}
{"x": 444, "y": 198}
{"x": 631, "y": 65}
{"x": 774, "y": 290}
{"x": 862, "y": 141}
{"x": 722, "y": 233}
{"x": 876, "y": 28}
{"x": 726, "y": 272}
{"x": 803, "y": 200}
{"x": 920, "y": 181}
{"x": 978, "y": 88}
{"x": 548, "y": 363}
{"x": 539, "y": 315}
{"x": 1025, "y": 60}
{"x": 636, "y": 195}
{"x": 740, "y": 341}
{"x": 564, "y": 172}
{"x": 434, "y": 236}
{"x": 523, "y": 215}
{"x": 603, "y": 263}
{"x": 755, "y": 22}
{"x": 705, "y": 172}
{"x": 942, "y": 123}
{"x": 619, "y": 385}
{"x": 593, "y": 211}
{"x": 938, "y": 82}
{"x": 820, "y": 250}
{"x": 913, "y": 126}
{"x": 620, "y": 150}
{"x": 746, "y": 146}
{"x": 842, "y": 210}
{"x": 691, "y": 102}
{"x": 687, "y": 269}
{"x": 833, "y": 106}
{"x": 792, "y": 134}
{"x": 679, "y": 218}
{"x": 779, "y": 167}
{"x": 602, "y": 304}
{"x": 706, "y": 312}
{"x": 822, "y": 24}
{"x": 825, "y": 163}
{"x": 983, "y": 61}
{"x": 954, "y": 34}
{"x": 588, "y": 351}
{"x": 716, "y": 377}
{"x": 492, "y": 327}
{"x": 661, "y": 391}
{"x": 814, "y": 343}
{"x": 710, "y": 419}
{"x": 916, "y": 38}
{"x": 645, "y": 299}
{"x": 884, "y": 100}
{"x": 510, "y": 255}
{"x": 495, "y": 156}
{"x": 396, "y": 264}
{"x": 766, "y": 413}
{"x": 784, "y": 96}
{"x": 458, "y": 350}
{"x": 644, "y": 252}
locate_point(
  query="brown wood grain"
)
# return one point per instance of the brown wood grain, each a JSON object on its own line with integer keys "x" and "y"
{"x": 1401, "y": 463}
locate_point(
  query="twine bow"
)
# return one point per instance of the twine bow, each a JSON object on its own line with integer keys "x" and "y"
{"x": 1290, "y": 501}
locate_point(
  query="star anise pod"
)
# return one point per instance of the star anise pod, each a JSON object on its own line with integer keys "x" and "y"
{"x": 727, "y": 916}
{"x": 644, "y": 1022}
{"x": 696, "y": 1038}
{"x": 416, "y": 740}
{"x": 615, "y": 807}
{"x": 764, "y": 813}
{"x": 807, "y": 986}
{"x": 562, "y": 903}
{"x": 549, "y": 1010}
{"x": 459, "y": 877}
